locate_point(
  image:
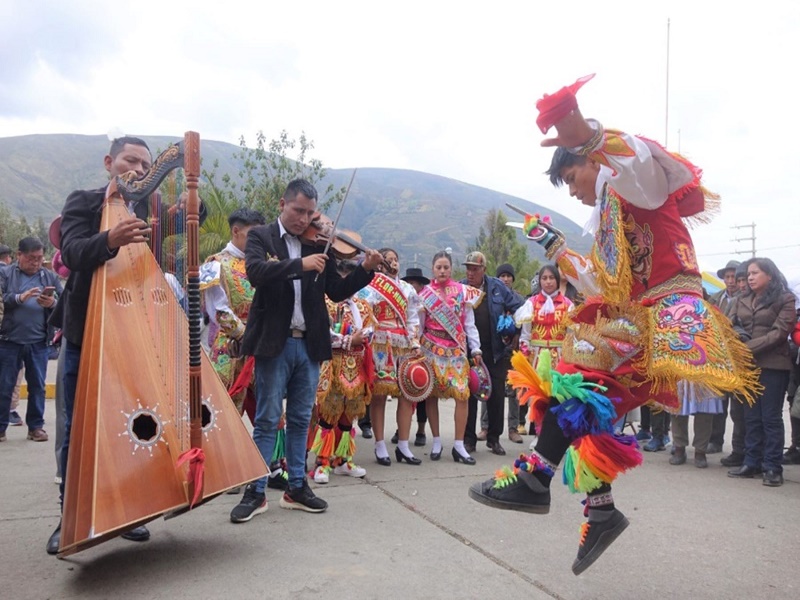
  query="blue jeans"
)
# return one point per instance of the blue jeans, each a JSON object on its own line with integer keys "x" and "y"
{"x": 764, "y": 433}
{"x": 293, "y": 376}
{"x": 72, "y": 361}
{"x": 34, "y": 358}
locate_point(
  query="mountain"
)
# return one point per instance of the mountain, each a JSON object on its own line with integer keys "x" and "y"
{"x": 416, "y": 213}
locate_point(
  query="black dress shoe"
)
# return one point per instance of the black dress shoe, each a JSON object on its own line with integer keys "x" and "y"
{"x": 732, "y": 460}
{"x": 394, "y": 437}
{"x": 469, "y": 447}
{"x": 436, "y": 455}
{"x": 420, "y": 440}
{"x": 496, "y": 448}
{"x": 467, "y": 460}
{"x": 744, "y": 472}
{"x": 383, "y": 461}
{"x": 366, "y": 433}
{"x": 137, "y": 534}
{"x": 412, "y": 460}
{"x": 54, "y": 541}
{"x": 772, "y": 478}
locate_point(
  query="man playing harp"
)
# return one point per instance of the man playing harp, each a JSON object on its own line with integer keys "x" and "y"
{"x": 84, "y": 248}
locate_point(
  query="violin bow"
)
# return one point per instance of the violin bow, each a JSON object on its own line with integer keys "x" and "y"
{"x": 338, "y": 215}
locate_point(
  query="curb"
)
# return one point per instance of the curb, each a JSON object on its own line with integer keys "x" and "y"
{"x": 49, "y": 391}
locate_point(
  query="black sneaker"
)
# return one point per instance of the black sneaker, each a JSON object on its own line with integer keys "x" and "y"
{"x": 15, "y": 419}
{"x": 253, "y": 503}
{"x": 303, "y": 498}
{"x": 595, "y": 538}
{"x": 279, "y": 481}
{"x": 522, "y": 492}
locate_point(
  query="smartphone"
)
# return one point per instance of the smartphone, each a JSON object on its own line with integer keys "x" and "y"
{"x": 48, "y": 291}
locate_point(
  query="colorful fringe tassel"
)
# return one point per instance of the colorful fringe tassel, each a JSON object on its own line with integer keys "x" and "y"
{"x": 530, "y": 386}
{"x": 347, "y": 445}
{"x": 280, "y": 446}
{"x": 323, "y": 443}
{"x": 595, "y": 459}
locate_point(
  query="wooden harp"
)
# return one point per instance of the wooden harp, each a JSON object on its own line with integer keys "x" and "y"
{"x": 147, "y": 395}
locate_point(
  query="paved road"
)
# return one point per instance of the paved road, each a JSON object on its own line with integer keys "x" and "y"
{"x": 412, "y": 532}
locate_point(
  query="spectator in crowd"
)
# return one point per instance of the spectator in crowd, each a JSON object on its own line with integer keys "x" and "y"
{"x": 542, "y": 320}
{"x": 498, "y": 301}
{"x": 736, "y": 457}
{"x": 704, "y": 410}
{"x": 507, "y": 275}
{"x": 792, "y": 454}
{"x": 721, "y": 299}
{"x": 29, "y": 294}
{"x": 764, "y": 317}
{"x": 13, "y": 415}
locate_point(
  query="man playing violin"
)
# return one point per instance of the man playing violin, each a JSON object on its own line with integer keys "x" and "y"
{"x": 288, "y": 333}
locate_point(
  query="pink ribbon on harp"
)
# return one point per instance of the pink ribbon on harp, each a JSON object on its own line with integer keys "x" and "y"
{"x": 197, "y": 459}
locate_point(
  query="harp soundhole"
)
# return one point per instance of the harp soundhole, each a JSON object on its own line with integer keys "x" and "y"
{"x": 159, "y": 296}
{"x": 145, "y": 428}
{"x": 206, "y": 416}
{"x": 122, "y": 296}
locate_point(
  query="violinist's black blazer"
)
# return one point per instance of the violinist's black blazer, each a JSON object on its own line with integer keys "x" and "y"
{"x": 272, "y": 273}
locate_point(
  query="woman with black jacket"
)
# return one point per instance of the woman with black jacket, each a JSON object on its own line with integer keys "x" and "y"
{"x": 764, "y": 316}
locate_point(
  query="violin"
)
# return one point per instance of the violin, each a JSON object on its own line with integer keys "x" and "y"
{"x": 345, "y": 244}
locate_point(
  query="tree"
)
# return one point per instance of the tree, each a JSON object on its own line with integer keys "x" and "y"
{"x": 13, "y": 229}
{"x": 265, "y": 172}
{"x": 500, "y": 245}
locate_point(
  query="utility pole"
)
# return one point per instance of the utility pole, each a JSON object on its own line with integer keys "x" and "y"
{"x": 751, "y": 239}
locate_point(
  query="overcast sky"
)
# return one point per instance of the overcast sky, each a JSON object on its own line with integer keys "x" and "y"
{"x": 437, "y": 86}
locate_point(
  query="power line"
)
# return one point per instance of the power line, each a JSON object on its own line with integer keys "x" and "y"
{"x": 748, "y": 251}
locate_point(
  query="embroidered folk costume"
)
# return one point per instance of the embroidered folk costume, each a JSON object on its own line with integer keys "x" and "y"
{"x": 542, "y": 320}
{"x": 643, "y": 328}
{"x": 344, "y": 389}
{"x": 448, "y": 329}
{"x": 395, "y": 306}
{"x": 228, "y": 297}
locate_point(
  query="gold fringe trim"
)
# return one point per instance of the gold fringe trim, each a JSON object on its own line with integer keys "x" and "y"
{"x": 729, "y": 366}
{"x": 615, "y": 289}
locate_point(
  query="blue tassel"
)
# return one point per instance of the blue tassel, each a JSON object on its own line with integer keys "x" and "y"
{"x": 604, "y": 412}
{"x": 574, "y": 418}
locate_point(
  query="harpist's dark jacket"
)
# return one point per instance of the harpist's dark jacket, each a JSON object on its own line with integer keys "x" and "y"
{"x": 272, "y": 273}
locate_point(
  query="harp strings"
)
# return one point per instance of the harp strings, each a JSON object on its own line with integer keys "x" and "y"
{"x": 171, "y": 331}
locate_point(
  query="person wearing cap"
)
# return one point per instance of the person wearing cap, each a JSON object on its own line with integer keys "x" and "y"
{"x": 497, "y": 301}
{"x": 644, "y": 327}
{"x": 396, "y": 307}
{"x": 721, "y": 300}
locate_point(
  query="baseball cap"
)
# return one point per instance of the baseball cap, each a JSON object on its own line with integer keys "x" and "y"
{"x": 475, "y": 258}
